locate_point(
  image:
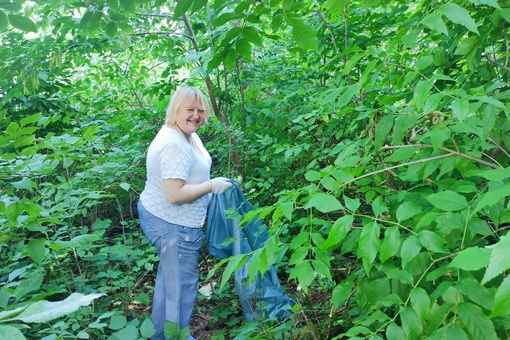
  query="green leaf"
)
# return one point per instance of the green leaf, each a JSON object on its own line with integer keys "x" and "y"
{"x": 432, "y": 241}
{"x": 493, "y": 197}
{"x": 379, "y": 206}
{"x": 303, "y": 271}
{"x": 181, "y": 8}
{"x": 324, "y": 203}
{"x": 341, "y": 293}
{"x": 476, "y": 292}
{"x": 197, "y": 5}
{"x": 4, "y": 21}
{"x": 44, "y": 311}
{"x": 305, "y": 36}
{"x": 458, "y": 15}
{"x": 338, "y": 232}
{"x": 490, "y": 101}
{"x": 382, "y": 129}
{"x": 477, "y": 323}
{"x": 468, "y": 45}
{"x": 407, "y": 210}
{"x": 345, "y": 98}
{"x": 352, "y": 203}
{"x": 401, "y": 275}
{"x": 390, "y": 244}
{"x": 491, "y": 3}
{"x": 420, "y": 302}
{"x": 11, "y": 6}
{"x": 421, "y": 92}
{"x": 502, "y": 299}
{"x": 117, "y": 322}
{"x": 368, "y": 245}
{"x": 410, "y": 249}
{"x": 448, "y": 200}
{"x": 252, "y": 35}
{"x": 234, "y": 264}
{"x": 243, "y": 47}
{"x": 22, "y": 23}
{"x": 411, "y": 323}
{"x": 147, "y": 328}
{"x": 336, "y": 6}
{"x": 128, "y": 5}
{"x": 11, "y": 333}
{"x": 111, "y": 29}
{"x": 114, "y": 5}
{"x": 471, "y": 259}
{"x": 78, "y": 241}
{"x": 460, "y": 109}
{"x": 230, "y": 59}
{"x": 395, "y": 332}
{"x": 434, "y": 22}
{"x": 499, "y": 260}
{"x": 353, "y": 61}
{"x": 36, "y": 249}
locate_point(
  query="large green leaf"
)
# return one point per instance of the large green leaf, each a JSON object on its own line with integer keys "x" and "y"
{"x": 477, "y": 323}
{"x": 502, "y": 299}
{"x": 448, "y": 200}
{"x": 434, "y": 22}
{"x": 339, "y": 231}
{"x": 471, "y": 259}
{"x": 22, "y": 23}
{"x": 492, "y": 197}
{"x": 422, "y": 92}
{"x": 390, "y": 244}
{"x": 499, "y": 260}
{"x": 368, "y": 245}
{"x": 458, "y": 15}
{"x": 44, "y": 311}
{"x": 10, "y": 333}
{"x": 181, "y": 7}
{"x": 410, "y": 249}
{"x": 4, "y": 21}
{"x": 36, "y": 249}
{"x": 324, "y": 203}
{"x": 432, "y": 241}
{"x": 305, "y": 36}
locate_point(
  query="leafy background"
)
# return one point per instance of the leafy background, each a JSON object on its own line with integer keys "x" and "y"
{"x": 371, "y": 136}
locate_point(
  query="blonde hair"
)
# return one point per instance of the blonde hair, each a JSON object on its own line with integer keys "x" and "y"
{"x": 186, "y": 95}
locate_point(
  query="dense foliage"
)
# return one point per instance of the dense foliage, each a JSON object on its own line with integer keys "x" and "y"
{"x": 372, "y": 136}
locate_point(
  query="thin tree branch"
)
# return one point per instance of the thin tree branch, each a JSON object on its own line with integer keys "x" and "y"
{"x": 450, "y": 151}
{"x": 162, "y": 33}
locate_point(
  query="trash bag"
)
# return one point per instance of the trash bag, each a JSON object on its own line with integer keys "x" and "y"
{"x": 264, "y": 296}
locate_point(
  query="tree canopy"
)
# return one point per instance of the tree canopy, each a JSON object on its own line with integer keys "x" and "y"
{"x": 372, "y": 136}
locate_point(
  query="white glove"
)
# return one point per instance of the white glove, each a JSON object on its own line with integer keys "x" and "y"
{"x": 220, "y": 184}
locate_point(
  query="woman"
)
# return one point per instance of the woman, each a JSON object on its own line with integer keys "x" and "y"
{"x": 173, "y": 206}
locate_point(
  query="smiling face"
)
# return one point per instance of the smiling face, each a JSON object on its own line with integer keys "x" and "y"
{"x": 190, "y": 118}
{"x": 187, "y": 111}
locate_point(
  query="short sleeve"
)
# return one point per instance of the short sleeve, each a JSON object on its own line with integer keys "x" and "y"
{"x": 175, "y": 161}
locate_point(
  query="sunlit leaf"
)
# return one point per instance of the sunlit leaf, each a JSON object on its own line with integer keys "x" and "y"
{"x": 470, "y": 259}
{"x": 499, "y": 259}
{"x": 44, "y": 311}
{"x": 448, "y": 200}
{"x": 458, "y": 15}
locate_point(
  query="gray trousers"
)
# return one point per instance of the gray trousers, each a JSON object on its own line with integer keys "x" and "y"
{"x": 176, "y": 285}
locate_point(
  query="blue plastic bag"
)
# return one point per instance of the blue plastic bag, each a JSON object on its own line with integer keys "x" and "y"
{"x": 263, "y": 297}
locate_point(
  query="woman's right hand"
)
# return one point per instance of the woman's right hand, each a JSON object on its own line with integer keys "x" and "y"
{"x": 220, "y": 185}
